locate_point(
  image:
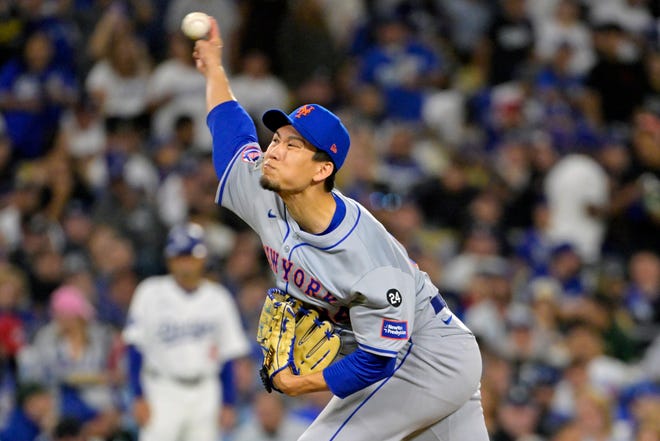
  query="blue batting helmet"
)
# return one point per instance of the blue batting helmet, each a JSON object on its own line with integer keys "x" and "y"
{"x": 186, "y": 240}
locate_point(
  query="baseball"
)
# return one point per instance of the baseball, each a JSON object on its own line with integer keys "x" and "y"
{"x": 196, "y": 25}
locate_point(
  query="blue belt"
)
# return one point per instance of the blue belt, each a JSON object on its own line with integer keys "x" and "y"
{"x": 438, "y": 303}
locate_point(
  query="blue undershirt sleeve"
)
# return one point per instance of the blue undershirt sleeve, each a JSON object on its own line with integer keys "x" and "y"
{"x": 231, "y": 128}
{"x": 357, "y": 371}
{"x": 134, "y": 368}
{"x": 227, "y": 378}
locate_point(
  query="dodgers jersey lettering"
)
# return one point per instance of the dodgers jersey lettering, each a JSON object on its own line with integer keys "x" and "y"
{"x": 368, "y": 285}
{"x": 184, "y": 334}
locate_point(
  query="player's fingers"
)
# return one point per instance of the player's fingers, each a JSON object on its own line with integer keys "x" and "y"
{"x": 206, "y": 48}
{"x": 199, "y": 64}
{"x": 214, "y": 34}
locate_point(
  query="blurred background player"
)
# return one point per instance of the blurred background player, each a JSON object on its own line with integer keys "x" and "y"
{"x": 183, "y": 331}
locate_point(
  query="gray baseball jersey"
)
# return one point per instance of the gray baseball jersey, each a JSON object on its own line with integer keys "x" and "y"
{"x": 364, "y": 279}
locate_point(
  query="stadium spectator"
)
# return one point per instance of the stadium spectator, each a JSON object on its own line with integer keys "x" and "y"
{"x": 305, "y": 47}
{"x": 618, "y": 78}
{"x": 577, "y": 190}
{"x": 71, "y": 355}
{"x": 566, "y": 29}
{"x": 14, "y": 320}
{"x": 175, "y": 88}
{"x": 271, "y": 421}
{"x": 257, "y": 88}
{"x": 33, "y": 416}
{"x": 511, "y": 37}
{"x": 642, "y": 294}
{"x": 117, "y": 82}
{"x": 34, "y": 91}
{"x": 402, "y": 66}
{"x": 518, "y": 416}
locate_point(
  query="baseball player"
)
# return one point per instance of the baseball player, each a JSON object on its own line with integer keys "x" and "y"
{"x": 410, "y": 368}
{"x": 182, "y": 333}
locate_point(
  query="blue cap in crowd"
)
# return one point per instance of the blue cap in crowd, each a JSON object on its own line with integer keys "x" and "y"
{"x": 561, "y": 248}
{"x": 316, "y": 124}
{"x": 186, "y": 240}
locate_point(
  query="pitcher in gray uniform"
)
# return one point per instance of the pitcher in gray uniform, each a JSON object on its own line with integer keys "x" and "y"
{"x": 410, "y": 369}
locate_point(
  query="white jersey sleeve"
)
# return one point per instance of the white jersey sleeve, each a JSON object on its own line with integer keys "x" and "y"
{"x": 135, "y": 332}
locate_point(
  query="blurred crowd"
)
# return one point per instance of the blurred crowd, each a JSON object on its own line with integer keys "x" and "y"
{"x": 512, "y": 146}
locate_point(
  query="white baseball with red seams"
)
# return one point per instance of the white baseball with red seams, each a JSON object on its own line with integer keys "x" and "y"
{"x": 196, "y": 25}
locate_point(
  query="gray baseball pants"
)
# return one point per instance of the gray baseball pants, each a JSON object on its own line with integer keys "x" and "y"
{"x": 433, "y": 394}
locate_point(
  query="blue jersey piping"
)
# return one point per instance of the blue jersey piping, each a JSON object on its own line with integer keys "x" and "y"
{"x": 225, "y": 176}
{"x": 371, "y": 394}
{"x": 383, "y": 351}
{"x": 328, "y": 247}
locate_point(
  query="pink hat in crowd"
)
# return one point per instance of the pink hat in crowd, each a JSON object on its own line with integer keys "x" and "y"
{"x": 69, "y": 301}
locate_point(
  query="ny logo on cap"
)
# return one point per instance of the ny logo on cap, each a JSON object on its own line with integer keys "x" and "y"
{"x": 304, "y": 111}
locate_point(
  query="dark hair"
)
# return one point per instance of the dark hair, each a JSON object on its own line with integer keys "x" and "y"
{"x": 321, "y": 156}
{"x": 27, "y": 390}
{"x": 182, "y": 121}
{"x": 67, "y": 427}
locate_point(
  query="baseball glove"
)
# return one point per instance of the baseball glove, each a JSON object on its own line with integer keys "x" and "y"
{"x": 293, "y": 336}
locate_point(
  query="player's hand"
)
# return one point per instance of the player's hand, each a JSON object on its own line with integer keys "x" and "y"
{"x": 141, "y": 411}
{"x": 208, "y": 52}
{"x": 295, "y": 385}
{"x": 282, "y": 381}
{"x": 227, "y": 418}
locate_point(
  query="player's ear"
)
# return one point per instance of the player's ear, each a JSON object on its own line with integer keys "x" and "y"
{"x": 323, "y": 170}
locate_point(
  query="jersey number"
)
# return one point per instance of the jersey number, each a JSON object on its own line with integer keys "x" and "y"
{"x": 394, "y": 297}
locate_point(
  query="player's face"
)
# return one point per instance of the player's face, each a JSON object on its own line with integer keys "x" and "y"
{"x": 187, "y": 270}
{"x": 288, "y": 164}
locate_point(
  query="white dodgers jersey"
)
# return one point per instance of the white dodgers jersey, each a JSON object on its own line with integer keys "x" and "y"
{"x": 182, "y": 334}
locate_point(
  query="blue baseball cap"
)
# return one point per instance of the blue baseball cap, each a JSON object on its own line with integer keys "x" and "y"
{"x": 186, "y": 240}
{"x": 322, "y": 128}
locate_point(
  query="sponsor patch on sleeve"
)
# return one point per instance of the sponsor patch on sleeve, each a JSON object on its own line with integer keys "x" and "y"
{"x": 251, "y": 154}
{"x": 394, "y": 329}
